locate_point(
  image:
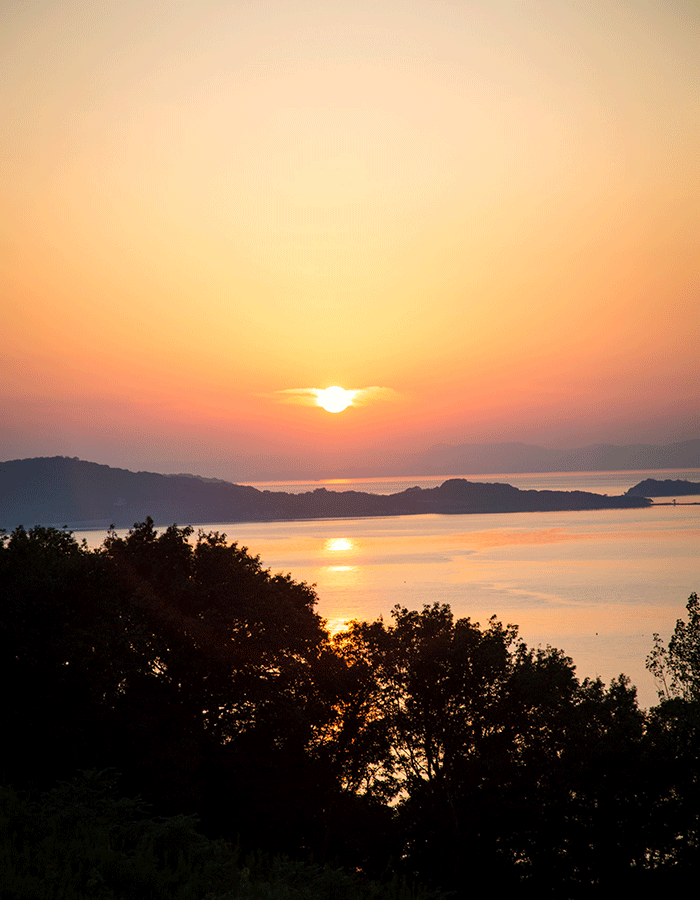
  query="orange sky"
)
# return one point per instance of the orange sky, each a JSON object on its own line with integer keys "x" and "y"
{"x": 488, "y": 208}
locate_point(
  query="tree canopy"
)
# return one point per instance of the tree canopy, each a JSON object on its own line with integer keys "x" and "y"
{"x": 428, "y": 746}
{"x": 676, "y": 668}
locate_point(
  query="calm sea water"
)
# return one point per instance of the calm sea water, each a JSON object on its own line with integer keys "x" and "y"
{"x": 598, "y": 482}
{"x": 595, "y": 584}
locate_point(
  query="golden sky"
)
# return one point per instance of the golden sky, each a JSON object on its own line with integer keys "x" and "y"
{"x": 487, "y": 209}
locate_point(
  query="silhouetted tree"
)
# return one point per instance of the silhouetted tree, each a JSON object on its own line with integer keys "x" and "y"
{"x": 238, "y": 666}
{"x": 187, "y": 666}
{"x": 506, "y": 771}
{"x": 673, "y": 735}
{"x": 70, "y": 645}
{"x": 430, "y": 745}
{"x": 676, "y": 668}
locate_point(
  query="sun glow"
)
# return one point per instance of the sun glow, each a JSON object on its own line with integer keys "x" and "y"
{"x": 334, "y": 399}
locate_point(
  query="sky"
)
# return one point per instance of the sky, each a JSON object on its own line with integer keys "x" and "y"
{"x": 481, "y": 216}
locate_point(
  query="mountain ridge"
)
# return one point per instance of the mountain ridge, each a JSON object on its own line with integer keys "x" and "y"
{"x": 67, "y": 490}
{"x": 517, "y": 457}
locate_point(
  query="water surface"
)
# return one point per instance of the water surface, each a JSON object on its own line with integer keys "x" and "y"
{"x": 596, "y": 584}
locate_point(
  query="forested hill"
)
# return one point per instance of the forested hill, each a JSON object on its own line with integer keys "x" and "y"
{"x": 651, "y": 487}
{"x": 60, "y": 490}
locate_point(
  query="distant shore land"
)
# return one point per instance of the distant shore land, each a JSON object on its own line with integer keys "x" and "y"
{"x": 70, "y": 491}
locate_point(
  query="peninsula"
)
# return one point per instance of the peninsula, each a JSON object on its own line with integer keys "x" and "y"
{"x": 68, "y": 491}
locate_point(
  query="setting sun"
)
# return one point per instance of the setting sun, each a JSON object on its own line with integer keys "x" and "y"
{"x": 334, "y": 399}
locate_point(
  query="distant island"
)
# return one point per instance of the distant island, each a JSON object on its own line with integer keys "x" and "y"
{"x": 68, "y": 491}
{"x": 650, "y": 487}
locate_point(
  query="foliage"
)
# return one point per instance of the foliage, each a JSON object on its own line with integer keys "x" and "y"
{"x": 78, "y": 840}
{"x": 427, "y": 748}
{"x": 186, "y": 665}
{"x": 676, "y": 668}
{"x": 81, "y": 840}
{"x": 505, "y": 770}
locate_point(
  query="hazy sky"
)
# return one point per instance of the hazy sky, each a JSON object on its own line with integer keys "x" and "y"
{"x": 487, "y": 209}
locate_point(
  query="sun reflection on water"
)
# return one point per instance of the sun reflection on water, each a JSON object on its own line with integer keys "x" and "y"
{"x": 338, "y": 545}
{"x": 340, "y": 570}
{"x": 337, "y": 625}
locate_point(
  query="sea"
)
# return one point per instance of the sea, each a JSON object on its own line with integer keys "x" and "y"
{"x": 595, "y": 584}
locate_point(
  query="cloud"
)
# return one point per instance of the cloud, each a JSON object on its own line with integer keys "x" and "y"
{"x": 301, "y": 396}
{"x": 371, "y": 394}
{"x": 309, "y": 396}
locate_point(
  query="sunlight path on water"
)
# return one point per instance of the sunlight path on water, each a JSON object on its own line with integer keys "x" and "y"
{"x": 596, "y": 584}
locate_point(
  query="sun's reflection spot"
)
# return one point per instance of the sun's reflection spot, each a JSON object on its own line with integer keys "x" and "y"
{"x": 338, "y": 545}
{"x": 337, "y": 626}
{"x": 340, "y": 569}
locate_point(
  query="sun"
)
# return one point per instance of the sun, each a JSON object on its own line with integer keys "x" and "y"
{"x": 334, "y": 399}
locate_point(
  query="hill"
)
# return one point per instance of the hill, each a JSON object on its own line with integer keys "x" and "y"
{"x": 651, "y": 487}
{"x": 469, "y": 459}
{"x": 62, "y": 490}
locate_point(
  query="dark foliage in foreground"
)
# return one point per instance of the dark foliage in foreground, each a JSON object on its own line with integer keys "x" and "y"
{"x": 80, "y": 840}
{"x": 427, "y": 749}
